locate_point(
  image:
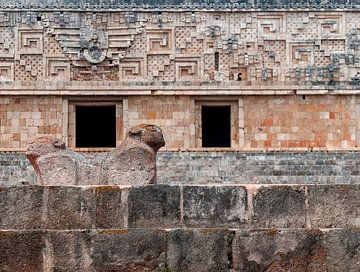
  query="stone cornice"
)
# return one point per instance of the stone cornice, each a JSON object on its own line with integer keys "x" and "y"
{"x": 177, "y": 5}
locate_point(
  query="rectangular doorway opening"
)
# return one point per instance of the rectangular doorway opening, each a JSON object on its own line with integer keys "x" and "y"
{"x": 216, "y": 126}
{"x": 95, "y": 126}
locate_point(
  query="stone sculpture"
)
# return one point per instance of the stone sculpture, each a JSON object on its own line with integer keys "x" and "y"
{"x": 132, "y": 162}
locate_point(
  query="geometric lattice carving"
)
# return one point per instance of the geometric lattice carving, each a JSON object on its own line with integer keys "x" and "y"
{"x": 301, "y": 54}
{"x": 270, "y": 24}
{"x": 6, "y": 71}
{"x": 85, "y": 46}
{"x": 329, "y": 24}
{"x": 159, "y": 41}
{"x": 187, "y": 68}
{"x": 57, "y": 68}
{"x": 29, "y": 41}
{"x": 131, "y": 69}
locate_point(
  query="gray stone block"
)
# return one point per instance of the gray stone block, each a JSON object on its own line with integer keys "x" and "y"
{"x": 22, "y": 251}
{"x": 129, "y": 250}
{"x": 279, "y": 207}
{"x": 21, "y": 207}
{"x": 70, "y": 251}
{"x": 111, "y": 207}
{"x": 334, "y": 206}
{"x": 70, "y": 207}
{"x": 214, "y": 206}
{"x": 154, "y": 206}
{"x": 207, "y": 250}
{"x": 342, "y": 250}
{"x": 279, "y": 250}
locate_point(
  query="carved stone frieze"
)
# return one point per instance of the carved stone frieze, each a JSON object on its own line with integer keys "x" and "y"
{"x": 240, "y": 47}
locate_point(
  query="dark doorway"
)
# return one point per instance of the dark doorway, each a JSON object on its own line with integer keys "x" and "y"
{"x": 216, "y": 126}
{"x": 95, "y": 126}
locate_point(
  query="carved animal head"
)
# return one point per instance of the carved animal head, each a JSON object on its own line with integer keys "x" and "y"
{"x": 149, "y": 134}
{"x": 44, "y": 145}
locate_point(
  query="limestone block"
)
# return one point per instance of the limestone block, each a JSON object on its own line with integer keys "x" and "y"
{"x": 154, "y": 206}
{"x": 214, "y": 206}
{"x": 70, "y": 207}
{"x": 129, "y": 250}
{"x": 279, "y": 207}
{"x": 342, "y": 250}
{"x": 334, "y": 206}
{"x": 111, "y": 207}
{"x": 279, "y": 250}
{"x": 132, "y": 162}
{"x": 69, "y": 251}
{"x": 22, "y": 251}
{"x": 199, "y": 250}
{"x": 21, "y": 207}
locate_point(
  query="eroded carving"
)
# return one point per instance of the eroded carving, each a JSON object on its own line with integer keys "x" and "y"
{"x": 132, "y": 162}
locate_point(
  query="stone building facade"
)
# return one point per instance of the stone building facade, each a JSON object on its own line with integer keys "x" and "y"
{"x": 282, "y": 76}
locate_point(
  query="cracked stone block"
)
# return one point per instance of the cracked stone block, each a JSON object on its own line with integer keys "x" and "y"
{"x": 154, "y": 206}
{"x": 214, "y": 206}
{"x": 334, "y": 206}
{"x": 129, "y": 250}
{"x": 21, "y": 207}
{"x": 279, "y": 250}
{"x": 279, "y": 207}
{"x": 206, "y": 250}
{"x": 70, "y": 207}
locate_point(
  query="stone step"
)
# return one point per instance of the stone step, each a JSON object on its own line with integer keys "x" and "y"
{"x": 183, "y": 250}
{"x": 174, "y": 206}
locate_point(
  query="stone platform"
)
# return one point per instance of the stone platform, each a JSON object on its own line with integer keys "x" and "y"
{"x": 205, "y": 167}
{"x": 180, "y": 228}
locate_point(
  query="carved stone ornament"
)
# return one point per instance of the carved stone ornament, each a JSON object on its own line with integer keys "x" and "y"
{"x": 133, "y": 162}
{"x": 94, "y": 55}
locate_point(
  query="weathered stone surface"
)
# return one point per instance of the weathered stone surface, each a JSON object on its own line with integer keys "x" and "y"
{"x": 129, "y": 250}
{"x": 21, "y": 207}
{"x": 69, "y": 251}
{"x": 335, "y": 206}
{"x": 229, "y": 168}
{"x": 133, "y": 162}
{"x": 279, "y": 207}
{"x": 70, "y": 207}
{"x": 154, "y": 206}
{"x": 342, "y": 250}
{"x": 226, "y": 168}
{"x": 221, "y": 4}
{"x": 52, "y": 162}
{"x": 111, "y": 207}
{"x": 214, "y": 206}
{"x": 279, "y": 250}
{"x": 207, "y": 250}
{"x": 21, "y": 251}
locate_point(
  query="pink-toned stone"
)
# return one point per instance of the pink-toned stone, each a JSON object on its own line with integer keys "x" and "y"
{"x": 132, "y": 162}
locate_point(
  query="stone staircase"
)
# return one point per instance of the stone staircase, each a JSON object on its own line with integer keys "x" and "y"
{"x": 180, "y": 228}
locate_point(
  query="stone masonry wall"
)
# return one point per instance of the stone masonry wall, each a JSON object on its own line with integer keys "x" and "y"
{"x": 165, "y": 228}
{"x": 290, "y": 122}
{"x": 24, "y": 118}
{"x": 227, "y": 168}
{"x": 301, "y": 122}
